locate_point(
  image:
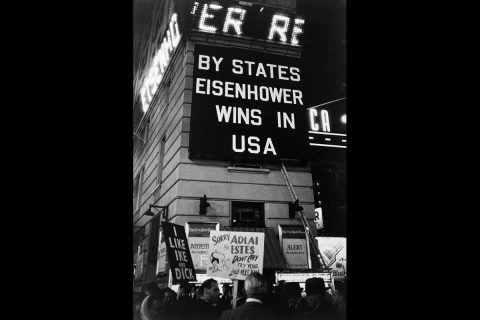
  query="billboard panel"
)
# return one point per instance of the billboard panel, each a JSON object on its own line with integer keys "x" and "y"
{"x": 246, "y": 105}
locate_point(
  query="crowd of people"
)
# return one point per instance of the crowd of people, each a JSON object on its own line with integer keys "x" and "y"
{"x": 256, "y": 300}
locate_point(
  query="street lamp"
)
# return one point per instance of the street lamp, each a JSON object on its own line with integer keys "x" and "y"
{"x": 164, "y": 210}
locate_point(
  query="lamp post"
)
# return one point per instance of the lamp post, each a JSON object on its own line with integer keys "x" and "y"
{"x": 164, "y": 210}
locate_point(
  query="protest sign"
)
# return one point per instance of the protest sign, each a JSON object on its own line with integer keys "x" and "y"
{"x": 140, "y": 264}
{"x": 198, "y": 239}
{"x": 334, "y": 253}
{"x": 161, "y": 255}
{"x": 179, "y": 257}
{"x": 294, "y": 245}
{"x": 235, "y": 255}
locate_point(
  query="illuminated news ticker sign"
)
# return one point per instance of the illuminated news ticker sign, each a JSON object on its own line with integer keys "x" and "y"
{"x": 246, "y": 105}
{"x": 302, "y": 277}
{"x": 254, "y": 21}
{"x": 160, "y": 63}
{"x": 327, "y": 127}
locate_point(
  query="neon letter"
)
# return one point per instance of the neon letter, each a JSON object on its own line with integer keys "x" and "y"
{"x": 297, "y": 29}
{"x": 236, "y": 23}
{"x": 205, "y": 15}
{"x": 325, "y": 121}
{"x": 280, "y": 29}
{"x": 313, "y": 124}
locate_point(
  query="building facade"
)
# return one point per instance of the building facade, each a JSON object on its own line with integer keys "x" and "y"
{"x": 244, "y": 191}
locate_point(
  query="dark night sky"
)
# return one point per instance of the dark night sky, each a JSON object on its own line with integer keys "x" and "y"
{"x": 324, "y": 52}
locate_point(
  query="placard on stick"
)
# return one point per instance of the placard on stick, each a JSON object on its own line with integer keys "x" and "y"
{"x": 179, "y": 258}
{"x": 235, "y": 255}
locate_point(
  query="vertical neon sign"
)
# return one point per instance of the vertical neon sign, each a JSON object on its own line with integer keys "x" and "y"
{"x": 160, "y": 63}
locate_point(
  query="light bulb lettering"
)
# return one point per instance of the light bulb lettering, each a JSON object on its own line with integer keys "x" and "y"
{"x": 231, "y": 21}
{"x": 325, "y": 120}
{"x": 279, "y": 26}
{"x": 208, "y": 15}
{"x": 313, "y": 125}
{"x": 160, "y": 63}
{"x": 297, "y": 29}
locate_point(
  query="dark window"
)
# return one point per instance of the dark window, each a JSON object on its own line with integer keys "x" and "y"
{"x": 330, "y": 194}
{"x": 248, "y": 214}
{"x": 146, "y": 131}
{"x": 137, "y": 190}
{"x": 153, "y": 239}
{"x": 161, "y": 155}
{"x": 167, "y": 92}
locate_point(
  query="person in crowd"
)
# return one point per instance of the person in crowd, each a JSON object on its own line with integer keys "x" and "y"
{"x": 279, "y": 288}
{"x": 225, "y": 301}
{"x": 170, "y": 302}
{"x": 184, "y": 291}
{"x": 137, "y": 303}
{"x": 253, "y": 308}
{"x": 150, "y": 289}
{"x": 340, "y": 301}
{"x": 170, "y": 296}
{"x": 272, "y": 288}
{"x": 226, "y": 288}
{"x": 314, "y": 305}
{"x": 193, "y": 292}
{"x": 241, "y": 294}
{"x": 198, "y": 292}
{"x": 275, "y": 301}
{"x": 183, "y": 307}
{"x": 329, "y": 295}
{"x": 156, "y": 306}
{"x": 203, "y": 308}
{"x": 293, "y": 294}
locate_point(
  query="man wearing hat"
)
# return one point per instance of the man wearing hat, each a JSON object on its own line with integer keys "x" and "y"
{"x": 152, "y": 291}
{"x": 315, "y": 305}
{"x": 293, "y": 294}
{"x": 225, "y": 302}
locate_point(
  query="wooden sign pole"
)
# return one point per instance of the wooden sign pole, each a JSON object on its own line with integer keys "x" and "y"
{"x": 235, "y": 293}
{"x": 332, "y": 282}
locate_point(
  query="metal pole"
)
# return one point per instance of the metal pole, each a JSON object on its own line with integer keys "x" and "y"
{"x": 333, "y": 282}
{"x": 324, "y": 104}
{"x": 235, "y": 293}
{"x": 308, "y": 251}
{"x": 303, "y": 219}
